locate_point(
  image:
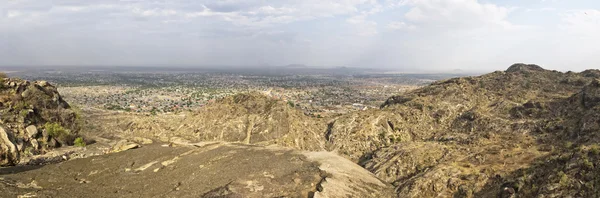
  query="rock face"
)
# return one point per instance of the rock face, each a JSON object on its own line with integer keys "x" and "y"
{"x": 214, "y": 170}
{"x": 25, "y": 108}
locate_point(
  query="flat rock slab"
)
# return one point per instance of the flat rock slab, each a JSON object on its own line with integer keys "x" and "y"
{"x": 212, "y": 170}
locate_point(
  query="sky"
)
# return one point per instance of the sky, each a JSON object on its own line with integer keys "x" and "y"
{"x": 427, "y": 35}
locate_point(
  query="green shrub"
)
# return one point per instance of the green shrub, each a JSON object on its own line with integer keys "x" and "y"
{"x": 587, "y": 164}
{"x": 563, "y": 178}
{"x": 79, "y": 142}
{"x": 595, "y": 149}
{"x": 20, "y": 105}
{"x": 57, "y": 131}
{"x": 3, "y": 75}
{"x": 568, "y": 144}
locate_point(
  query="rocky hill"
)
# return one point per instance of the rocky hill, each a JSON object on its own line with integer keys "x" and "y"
{"x": 250, "y": 118}
{"x": 33, "y": 119}
{"x": 523, "y": 132}
{"x": 456, "y": 136}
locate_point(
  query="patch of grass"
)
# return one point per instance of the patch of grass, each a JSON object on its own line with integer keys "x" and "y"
{"x": 563, "y": 178}
{"x": 568, "y": 144}
{"x": 20, "y": 105}
{"x": 24, "y": 113}
{"x": 79, "y": 142}
{"x": 587, "y": 164}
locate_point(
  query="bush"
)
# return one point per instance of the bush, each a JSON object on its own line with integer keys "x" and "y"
{"x": 563, "y": 178}
{"x": 595, "y": 149}
{"x": 79, "y": 142}
{"x": 58, "y": 132}
{"x": 3, "y": 75}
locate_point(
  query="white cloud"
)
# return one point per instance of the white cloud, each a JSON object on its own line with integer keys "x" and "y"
{"x": 420, "y": 33}
{"x": 456, "y": 13}
{"x": 582, "y": 23}
{"x": 154, "y": 12}
{"x": 13, "y": 14}
{"x": 364, "y": 27}
{"x": 399, "y": 25}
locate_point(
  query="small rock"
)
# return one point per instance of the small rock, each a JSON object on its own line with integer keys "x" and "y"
{"x": 34, "y": 143}
{"x": 124, "y": 145}
{"x": 141, "y": 140}
{"x": 26, "y": 93}
{"x": 43, "y": 83}
{"x": 31, "y": 131}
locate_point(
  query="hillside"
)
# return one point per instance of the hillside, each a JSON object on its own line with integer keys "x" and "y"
{"x": 250, "y": 118}
{"x": 456, "y": 136}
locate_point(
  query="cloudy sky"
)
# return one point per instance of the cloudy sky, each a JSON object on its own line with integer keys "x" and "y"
{"x": 398, "y": 34}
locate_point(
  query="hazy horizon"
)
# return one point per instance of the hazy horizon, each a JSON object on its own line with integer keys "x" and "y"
{"x": 398, "y": 35}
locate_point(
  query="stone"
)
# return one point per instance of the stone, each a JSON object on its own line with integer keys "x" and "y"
{"x": 43, "y": 83}
{"x": 53, "y": 143}
{"x": 32, "y": 131}
{"x": 9, "y": 154}
{"x": 141, "y": 140}
{"x": 34, "y": 144}
{"x": 26, "y": 93}
{"x": 124, "y": 145}
{"x": 45, "y": 134}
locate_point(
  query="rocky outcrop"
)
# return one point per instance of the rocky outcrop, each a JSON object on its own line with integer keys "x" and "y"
{"x": 25, "y": 109}
{"x": 520, "y": 67}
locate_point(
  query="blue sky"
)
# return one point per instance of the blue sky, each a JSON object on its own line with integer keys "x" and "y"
{"x": 427, "y": 35}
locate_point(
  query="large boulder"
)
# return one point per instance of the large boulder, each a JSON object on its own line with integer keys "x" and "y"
{"x": 9, "y": 155}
